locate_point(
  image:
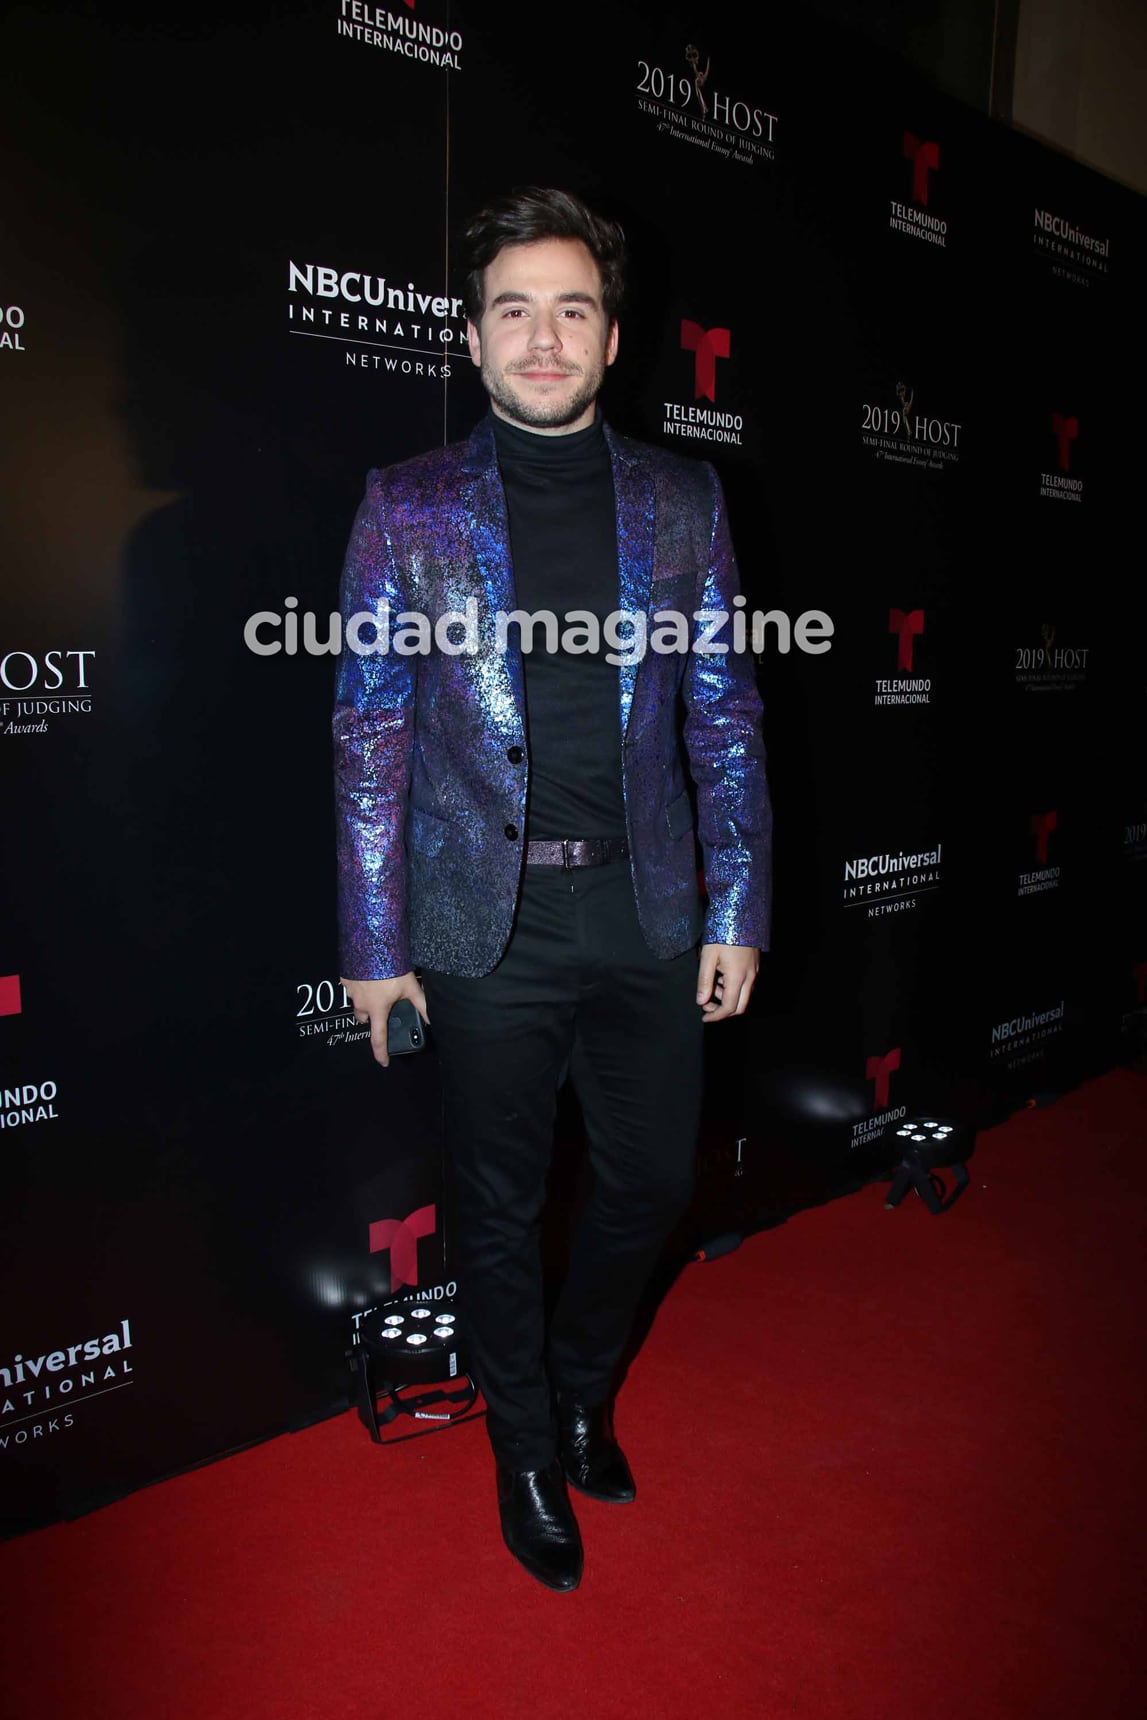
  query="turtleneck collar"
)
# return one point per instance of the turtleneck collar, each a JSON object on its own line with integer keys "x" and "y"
{"x": 515, "y": 443}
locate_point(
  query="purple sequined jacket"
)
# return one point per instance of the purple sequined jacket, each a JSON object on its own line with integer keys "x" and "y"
{"x": 431, "y": 760}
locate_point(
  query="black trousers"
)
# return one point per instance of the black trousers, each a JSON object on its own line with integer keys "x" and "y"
{"x": 577, "y": 990}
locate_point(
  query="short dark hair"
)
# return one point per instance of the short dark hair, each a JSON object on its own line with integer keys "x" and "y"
{"x": 533, "y": 212}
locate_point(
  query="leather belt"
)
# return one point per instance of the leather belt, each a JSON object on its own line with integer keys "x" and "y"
{"x": 589, "y": 851}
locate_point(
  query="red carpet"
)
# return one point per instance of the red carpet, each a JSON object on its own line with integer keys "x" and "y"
{"x": 888, "y": 1466}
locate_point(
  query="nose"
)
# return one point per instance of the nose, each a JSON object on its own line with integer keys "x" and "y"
{"x": 544, "y": 333}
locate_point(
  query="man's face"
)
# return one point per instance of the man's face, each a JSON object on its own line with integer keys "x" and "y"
{"x": 544, "y": 341}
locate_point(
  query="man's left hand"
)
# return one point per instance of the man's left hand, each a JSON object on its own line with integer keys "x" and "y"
{"x": 726, "y": 978}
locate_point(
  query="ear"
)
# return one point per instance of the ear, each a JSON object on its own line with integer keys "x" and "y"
{"x": 474, "y": 341}
{"x": 611, "y": 342}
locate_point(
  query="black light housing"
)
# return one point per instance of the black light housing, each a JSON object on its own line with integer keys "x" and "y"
{"x": 405, "y": 1345}
{"x": 926, "y": 1144}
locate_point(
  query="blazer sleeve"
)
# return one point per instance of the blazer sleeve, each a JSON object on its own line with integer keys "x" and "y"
{"x": 373, "y": 745}
{"x": 727, "y": 760}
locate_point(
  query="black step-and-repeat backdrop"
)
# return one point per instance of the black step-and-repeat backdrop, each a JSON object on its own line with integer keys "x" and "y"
{"x": 910, "y": 341}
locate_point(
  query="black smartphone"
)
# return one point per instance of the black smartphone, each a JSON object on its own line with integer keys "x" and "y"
{"x": 405, "y": 1029}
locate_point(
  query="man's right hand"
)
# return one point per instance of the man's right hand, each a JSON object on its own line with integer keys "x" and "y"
{"x": 373, "y": 1000}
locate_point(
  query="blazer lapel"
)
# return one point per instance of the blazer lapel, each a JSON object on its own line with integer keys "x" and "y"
{"x": 488, "y": 528}
{"x": 634, "y": 496}
{"x": 484, "y": 504}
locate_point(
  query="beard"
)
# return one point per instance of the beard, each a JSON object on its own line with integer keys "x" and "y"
{"x": 543, "y": 414}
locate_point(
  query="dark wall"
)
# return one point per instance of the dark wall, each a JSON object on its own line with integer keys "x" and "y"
{"x": 963, "y": 47}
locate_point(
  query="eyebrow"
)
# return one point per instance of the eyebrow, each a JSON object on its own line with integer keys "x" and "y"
{"x": 519, "y": 298}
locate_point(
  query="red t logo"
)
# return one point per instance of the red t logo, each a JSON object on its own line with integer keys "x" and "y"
{"x": 880, "y": 1069}
{"x": 1065, "y": 431}
{"x": 709, "y": 344}
{"x": 10, "y": 994}
{"x": 1042, "y": 825}
{"x": 906, "y": 624}
{"x": 924, "y": 157}
{"x": 401, "y": 1235}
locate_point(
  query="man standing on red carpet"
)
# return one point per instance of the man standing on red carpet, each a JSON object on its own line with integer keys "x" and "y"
{"x": 515, "y": 823}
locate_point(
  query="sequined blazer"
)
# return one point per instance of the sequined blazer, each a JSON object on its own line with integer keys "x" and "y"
{"x": 431, "y": 756}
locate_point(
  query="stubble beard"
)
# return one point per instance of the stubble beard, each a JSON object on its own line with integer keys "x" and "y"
{"x": 543, "y": 414}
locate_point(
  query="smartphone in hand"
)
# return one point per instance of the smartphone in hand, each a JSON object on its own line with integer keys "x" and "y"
{"x": 405, "y": 1029}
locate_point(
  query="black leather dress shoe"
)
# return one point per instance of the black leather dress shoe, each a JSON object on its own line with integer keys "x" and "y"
{"x": 593, "y": 1461}
{"x": 538, "y": 1524}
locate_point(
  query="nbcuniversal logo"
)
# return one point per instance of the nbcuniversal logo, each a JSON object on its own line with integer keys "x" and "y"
{"x": 37, "y": 1390}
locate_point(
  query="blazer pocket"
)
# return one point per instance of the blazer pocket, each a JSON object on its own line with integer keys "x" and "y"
{"x": 425, "y": 833}
{"x": 679, "y": 816}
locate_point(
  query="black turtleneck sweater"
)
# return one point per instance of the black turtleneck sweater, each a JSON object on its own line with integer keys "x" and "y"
{"x": 563, "y": 542}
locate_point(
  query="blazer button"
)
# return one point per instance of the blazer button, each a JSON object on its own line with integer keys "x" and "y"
{"x": 512, "y": 832}
{"x": 515, "y": 755}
